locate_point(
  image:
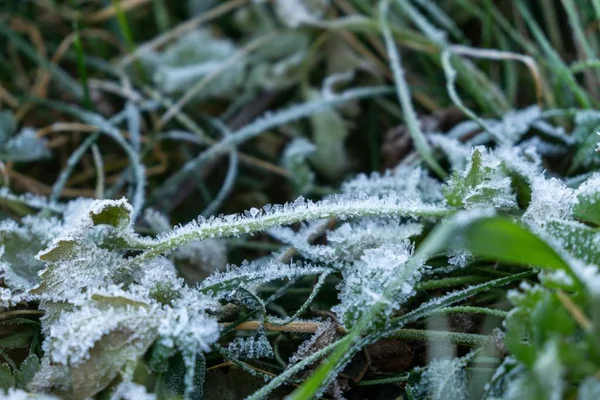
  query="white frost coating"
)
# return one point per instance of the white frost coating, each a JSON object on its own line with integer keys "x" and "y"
{"x": 188, "y": 332}
{"x": 412, "y": 183}
{"x": 550, "y": 199}
{"x": 524, "y": 161}
{"x": 342, "y": 207}
{"x": 207, "y": 255}
{"x": 251, "y": 347}
{"x": 225, "y": 284}
{"x": 589, "y": 190}
{"x": 158, "y": 221}
{"x": 515, "y": 124}
{"x": 548, "y": 370}
{"x": 31, "y": 200}
{"x": 444, "y": 379}
{"x": 326, "y": 333}
{"x": 482, "y": 184}
{"x": 18, "y": 394}
{"x": 368, "y": 281}
{"x": 456, "y": 151}
{"x": 131, "y": 391}
{"x": 352, "y": 239}
{"x": 294, "y": 13}
{"x": 460, "y": 258}
{"x": 75, "y": 333}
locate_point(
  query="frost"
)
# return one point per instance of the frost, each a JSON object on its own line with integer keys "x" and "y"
{"x": 369, "y": 280}
{"x": 294, "y": 160}
{"x": 413, "y": 183}
{"x": 294, "y": 13}
{"x": 74, "y": 334}
{"x": 251, "y": 347}
{"x": 23, "y": 146}
{"x": 188, "y": 332}
{"x": 551, "y": 199}
{"x": 228, "y": 283}
{"x": 18, "y": 394}
{"x": 184, "y": 63}
{"x": 515, "y": 124}
{"x": 460, "y": 258}
{"x": 131, "y": 391}
{"x": 548, "y": 370}
{"x": 456, "y": 151}
{"x": 589, "y": 389}
{"x": 481, "y": 183}
{"x": 443, "y": 379}
{"x": 352, "y": 239}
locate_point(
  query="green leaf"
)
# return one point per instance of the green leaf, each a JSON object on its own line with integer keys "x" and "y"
{"x": 27, "y": 370}
{"x": 20, "y": 245}
{"x": 498, "y": 239}
{"x": 116, "y": 213}
{"x": 579, "y": 240}
{"x": 7, "y": 380}
{"x": 329, "y": 135}
{"x": 481, "y": 183}
{"x": 587, "y": 207}
{"x": 443, "y": 379}
{"x": 172, "y": 382}
{"x": 18, "y": 340}
{"x": 159, "y": 356}
{"x": 312, "y": 386}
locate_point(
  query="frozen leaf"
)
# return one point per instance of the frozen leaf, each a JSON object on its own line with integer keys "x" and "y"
{"x": 20, "y": 244}
{"x": 410, "y": 182}
{"x": 551, "y": 200}
{"x": 27, "y": 370}
{"x": 589, "y": 389}
{"x": 69, "y": 341}
{"x": 368, "y": 281}
{"x": 7, "y": 380}
{"x": 587, "y": 123}
{"x": 480, "y": 184}
{"x": 443, "y": 379}
{"x": 294, "y": 160}
{"x": 86, "y": 265}
{"x": 22, "y": 146}
{"x": 184, "y": 63}
{"x": 294, "y": 13}
{"x": 131, "y": 391}
{"x": 329, "y": 135}
{"x": 352, "y": 239}
{"x": 18, "y": 394}
{"x": 251, "y": 347}
{"x": 228, "y": 283}
{"x": 587, "y": 205}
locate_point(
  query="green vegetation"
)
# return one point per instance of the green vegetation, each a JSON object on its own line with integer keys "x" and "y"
{"x": 300, "y": 199}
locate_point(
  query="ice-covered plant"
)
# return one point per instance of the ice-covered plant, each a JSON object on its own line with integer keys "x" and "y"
{"x": 466, "y": 270}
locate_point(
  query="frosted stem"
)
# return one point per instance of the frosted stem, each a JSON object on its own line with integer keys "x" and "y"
{"x": 342, "y": 207}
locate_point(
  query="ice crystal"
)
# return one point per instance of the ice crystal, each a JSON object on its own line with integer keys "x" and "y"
{"x": 413, "y": 183}
{"x": 481, "y": 183}
{"x": 18, "y": 394}
{"x": 74, "y": 334}
{"x": 551, "y": 199}
{"x": 369, "y": 280}
{"x": 251, "y": 347}
{"x": 187, "y": 332}
{"x": 131, "y": 391}
{"x": 444, "y": 378}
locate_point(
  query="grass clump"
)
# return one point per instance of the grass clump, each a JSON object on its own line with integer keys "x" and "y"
{"x": 211, "y": 199}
